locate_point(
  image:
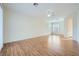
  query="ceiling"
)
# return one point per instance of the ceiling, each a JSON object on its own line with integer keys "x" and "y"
{"x": 60, "y": 9}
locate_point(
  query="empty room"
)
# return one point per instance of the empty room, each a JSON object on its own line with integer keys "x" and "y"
{"x": 39, "y": 29}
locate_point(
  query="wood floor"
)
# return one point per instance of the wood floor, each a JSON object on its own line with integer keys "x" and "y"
{"x": 42, "y": 46}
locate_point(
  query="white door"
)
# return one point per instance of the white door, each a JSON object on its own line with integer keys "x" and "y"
{"x": 55, "y": 28}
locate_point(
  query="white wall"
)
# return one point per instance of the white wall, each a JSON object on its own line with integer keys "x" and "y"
{"x": 76, "y": 26}
{"x": 1, "y": 28}
{"x": 18, "y": 27}
{"x": 62, "y": 27}
{"x": 69, "y": 25}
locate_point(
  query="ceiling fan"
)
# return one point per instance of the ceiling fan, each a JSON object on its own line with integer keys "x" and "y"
{"x": 35, "y": 4}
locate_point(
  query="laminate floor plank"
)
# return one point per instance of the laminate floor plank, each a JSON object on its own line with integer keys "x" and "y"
{"x": 54, "y": 45}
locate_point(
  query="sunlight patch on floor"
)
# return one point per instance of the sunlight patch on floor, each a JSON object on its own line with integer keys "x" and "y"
{"x": 54, "y": 41}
